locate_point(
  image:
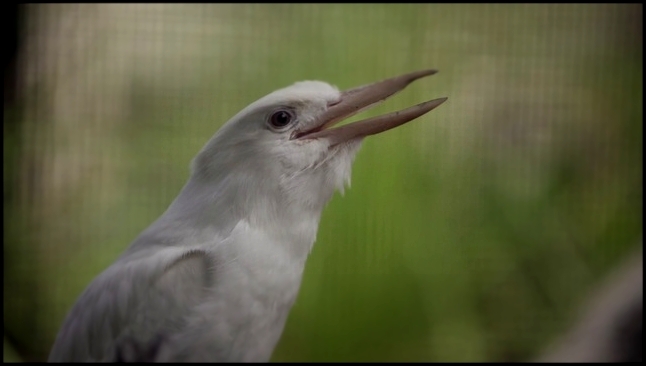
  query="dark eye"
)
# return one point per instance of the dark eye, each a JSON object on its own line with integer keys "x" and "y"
{"x": 280, "y": 119}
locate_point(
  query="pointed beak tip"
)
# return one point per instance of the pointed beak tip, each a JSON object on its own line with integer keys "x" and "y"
{"x": 419, "y": 74}
{"x": 435, "y": 102}
{"x": 428, "y": 106}
{"x": 427, "y": 72}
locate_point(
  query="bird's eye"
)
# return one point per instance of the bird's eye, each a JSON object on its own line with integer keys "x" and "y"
{"x": 280, "y": 119}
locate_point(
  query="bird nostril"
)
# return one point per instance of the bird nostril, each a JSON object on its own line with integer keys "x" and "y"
{"x": 332, "y": 104}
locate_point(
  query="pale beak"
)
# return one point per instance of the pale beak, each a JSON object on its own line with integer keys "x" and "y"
{"x": 359, "y": 99}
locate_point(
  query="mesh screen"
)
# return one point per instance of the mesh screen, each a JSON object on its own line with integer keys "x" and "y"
{"x": 470, "y": 234}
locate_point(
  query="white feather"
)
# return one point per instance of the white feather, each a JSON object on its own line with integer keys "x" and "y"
{"x": 219, "y": 271}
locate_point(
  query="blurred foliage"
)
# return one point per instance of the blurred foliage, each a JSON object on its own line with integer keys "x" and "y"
{"x": 468, "y": 235}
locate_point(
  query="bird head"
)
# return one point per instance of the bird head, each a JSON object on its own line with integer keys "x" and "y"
{"x": 284, "y": 144}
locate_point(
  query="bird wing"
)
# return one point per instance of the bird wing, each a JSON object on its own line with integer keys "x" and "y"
{"x": 140, "y": 297}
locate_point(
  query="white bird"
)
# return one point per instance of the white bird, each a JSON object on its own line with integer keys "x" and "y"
{"x": 217, "y": 274}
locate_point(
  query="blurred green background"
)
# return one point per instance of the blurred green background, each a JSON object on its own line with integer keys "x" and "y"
{"x": 471, "y": 234}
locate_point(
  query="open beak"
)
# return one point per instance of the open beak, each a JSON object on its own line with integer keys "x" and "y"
{"x": 359, "y": 99}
